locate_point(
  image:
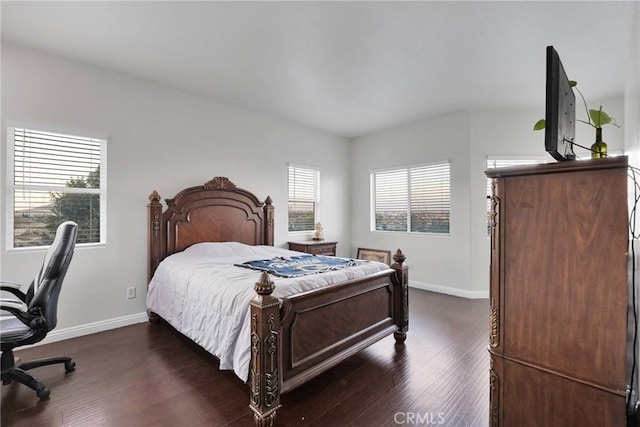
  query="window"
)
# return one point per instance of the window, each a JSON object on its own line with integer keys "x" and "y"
{"x": 53, "y": 178}
{"x": 303, "y": 198}
{"x": 415, "y": 199}
{"x": 503, "y": 163}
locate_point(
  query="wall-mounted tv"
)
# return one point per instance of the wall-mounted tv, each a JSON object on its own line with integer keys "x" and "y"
{"x": 560, "y": 110}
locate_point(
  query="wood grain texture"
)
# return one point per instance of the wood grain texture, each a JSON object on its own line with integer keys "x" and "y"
{"x": 314, "y": 247}
{"x": 558, "y": 294}
{"x": 554, "y": 401}
{"x": 149, "y": 375}
{"x": 325, "y": 323}
{"x": 345, "y": 317}
{"x": 217, "y": 211}
{"x": 565, "y": 264}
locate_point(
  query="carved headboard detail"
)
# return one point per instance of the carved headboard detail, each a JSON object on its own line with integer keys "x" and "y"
{"x": 217, "y": 211}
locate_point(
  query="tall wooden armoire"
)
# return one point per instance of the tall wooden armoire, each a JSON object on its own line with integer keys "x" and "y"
{"x": 558, "y": 335}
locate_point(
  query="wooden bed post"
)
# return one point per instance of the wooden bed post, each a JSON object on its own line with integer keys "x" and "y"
{"x": 154, "y": 252}
{"x": 401, "y": 296}
{"x": 268, "y": 224}
{"x": 265, "y": 371}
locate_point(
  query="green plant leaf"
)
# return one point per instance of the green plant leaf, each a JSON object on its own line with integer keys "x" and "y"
{"x": 599, "y": 118}
{"x": 540, "y": 124}
{"x": 572, "y": 83}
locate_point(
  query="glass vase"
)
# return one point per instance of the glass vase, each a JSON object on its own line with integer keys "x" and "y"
{"x": 599, "y": 148}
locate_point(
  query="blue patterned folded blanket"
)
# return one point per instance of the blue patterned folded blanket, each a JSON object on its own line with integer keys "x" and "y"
{"x": 302, "y": 265}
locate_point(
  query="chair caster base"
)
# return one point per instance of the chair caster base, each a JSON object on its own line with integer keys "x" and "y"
{"x": 43, "y": 393}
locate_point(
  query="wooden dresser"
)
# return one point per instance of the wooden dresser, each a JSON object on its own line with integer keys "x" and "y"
{"x": 558, "y": 333}
{"x": 314, "y": 247}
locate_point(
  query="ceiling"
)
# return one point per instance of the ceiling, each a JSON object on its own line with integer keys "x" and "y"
{"x": 349, "y": 68}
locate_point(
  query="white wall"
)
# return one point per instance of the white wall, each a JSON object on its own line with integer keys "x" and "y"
{"x": 632, "y": 93}
{"x": 457, "y": 264}
{"x": 505, "y": 133}
{"x": 508, "y": 133}
{"x": 632, "y": 138}
{"x": 161, "y": 139}
{"x": 434, "y": 260}
{"x": 150, "y": 126}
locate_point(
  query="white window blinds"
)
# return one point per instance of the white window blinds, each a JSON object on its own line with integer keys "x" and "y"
{"x": 303, "y": 198}
{"x": 415, "y": 199}
{"x": 391, "y": 200}
{"x": 54, "y": 178}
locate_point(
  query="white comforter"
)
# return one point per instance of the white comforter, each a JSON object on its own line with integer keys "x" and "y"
{"x": 204, "y": 296}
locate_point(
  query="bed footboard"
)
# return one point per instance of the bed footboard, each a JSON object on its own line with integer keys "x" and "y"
{"x": 315, "y": 330}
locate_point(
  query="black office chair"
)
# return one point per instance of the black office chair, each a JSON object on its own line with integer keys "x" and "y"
{"x": 34, "y": 314}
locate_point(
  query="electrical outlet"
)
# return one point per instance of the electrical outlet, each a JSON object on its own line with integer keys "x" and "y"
{"x": 131, "y": 293}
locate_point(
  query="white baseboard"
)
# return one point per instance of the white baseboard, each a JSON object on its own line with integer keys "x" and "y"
{"x": 449, "y": 290}
{"x": 105, "y": 325}
{"x": 92, "y": 328}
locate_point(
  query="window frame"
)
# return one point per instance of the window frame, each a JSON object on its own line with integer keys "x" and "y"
{"x": 407, "y": 170}
{"x": 316, "y": 197}
{"x": 11, "y": 186}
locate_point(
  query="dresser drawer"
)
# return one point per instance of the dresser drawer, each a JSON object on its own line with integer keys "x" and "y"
{"x": 314, "y": 248}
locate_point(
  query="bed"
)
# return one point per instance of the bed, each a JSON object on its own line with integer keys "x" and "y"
{"x": 294, "y": 328}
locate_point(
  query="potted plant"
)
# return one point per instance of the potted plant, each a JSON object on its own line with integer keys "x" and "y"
{"x": 597, "y": 119}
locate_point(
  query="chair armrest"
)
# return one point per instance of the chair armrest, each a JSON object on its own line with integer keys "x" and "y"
{"x": 13, "y": 288}
{"x": 32, "y": 317}
{"x": 11, "y": 300}
{"x": 7, "y": 282}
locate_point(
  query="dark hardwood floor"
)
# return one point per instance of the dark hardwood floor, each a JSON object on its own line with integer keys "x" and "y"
{"x": 149, "y": 375}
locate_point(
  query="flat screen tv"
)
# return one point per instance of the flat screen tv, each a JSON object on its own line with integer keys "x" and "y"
{"x": 560, "y": 110}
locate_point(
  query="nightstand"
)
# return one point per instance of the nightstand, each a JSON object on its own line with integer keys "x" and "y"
{"x": 314, "y": 247}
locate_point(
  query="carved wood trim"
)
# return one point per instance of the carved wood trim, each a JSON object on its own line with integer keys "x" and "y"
{"x": 176, "y": 228}
{"x": 272, "y": 388}
{"x": 265, "y": 373}
{"x": 155, "y": 251}
{"x": 495, "y": 210}
{"x": 254, "y": 370}
{"x": 401, "y": 296}
{"x": 269, "y": 221}
{"x": 495, "y": 279}
{"x": 220, "y": 183}
{"x": 494, "y": 321}
{"x": 494, "y": 396}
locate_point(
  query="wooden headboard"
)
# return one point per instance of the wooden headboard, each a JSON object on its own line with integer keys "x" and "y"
{"x": 217, "y": 211}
